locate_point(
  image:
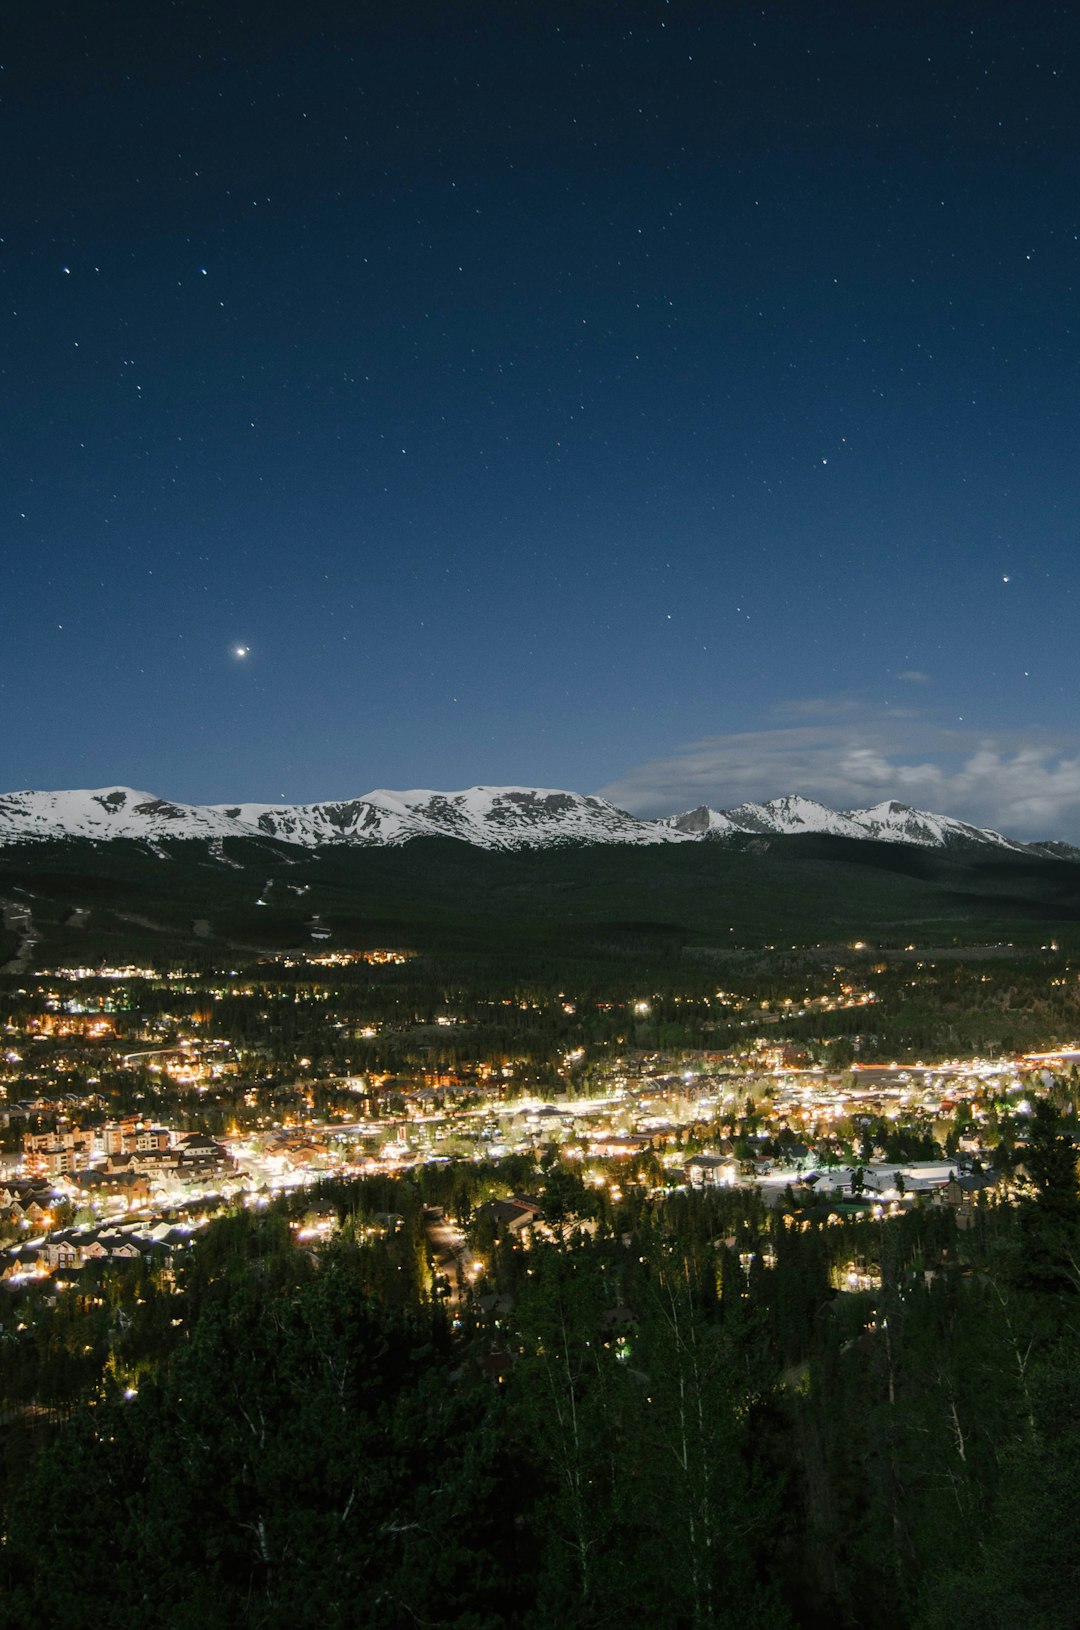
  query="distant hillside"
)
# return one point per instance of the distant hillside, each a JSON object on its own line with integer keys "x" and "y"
{"x": 77, "y": 900}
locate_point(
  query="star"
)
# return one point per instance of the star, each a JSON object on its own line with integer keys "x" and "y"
{"x": 241, "y": 651}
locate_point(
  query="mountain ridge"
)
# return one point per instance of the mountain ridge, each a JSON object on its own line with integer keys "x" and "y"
{"x": 510, "y": 817}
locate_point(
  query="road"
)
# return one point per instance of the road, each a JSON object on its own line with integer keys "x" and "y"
{"x": 452, "y": 1256}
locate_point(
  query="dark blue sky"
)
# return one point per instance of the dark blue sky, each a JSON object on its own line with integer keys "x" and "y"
{"x": 673, "y": 398}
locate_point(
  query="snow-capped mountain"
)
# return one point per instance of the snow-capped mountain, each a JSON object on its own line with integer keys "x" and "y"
{"x": 790, "y": 814}
{"x": 889, "y": 822}
{"x": 490, "y": 817}
{"x": 899, "y": 823}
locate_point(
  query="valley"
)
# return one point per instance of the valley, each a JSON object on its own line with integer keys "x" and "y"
{"x": 783, "y": 1123}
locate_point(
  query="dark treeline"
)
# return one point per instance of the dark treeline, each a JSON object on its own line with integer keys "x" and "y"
{"x": 670, "y": 1414}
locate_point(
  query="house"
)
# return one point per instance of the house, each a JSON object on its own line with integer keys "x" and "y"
{"x": 20, "y": 1260}
{"x": 62, "y": 1251}
{"x": 613, "y": 1145}
{"x": 151, "y": 1138}
{"x": 200, "y": 1146}
{"x": 513, "y": 1215}
{"x": 129, "y": 1250}
{"x": 495, "y": 1366}
{"x": 710, "y": 1171}
{"x": 962, "y": 1194}
{"x": 133, "y": 1188}
{"x": 201, "y": 1157}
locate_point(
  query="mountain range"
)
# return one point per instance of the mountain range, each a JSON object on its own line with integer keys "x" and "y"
{"x": 113, "y": 874}
{"x": 488, "y": 817}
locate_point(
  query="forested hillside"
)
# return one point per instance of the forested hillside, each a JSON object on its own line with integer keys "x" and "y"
{"x": 671, "y": 1409}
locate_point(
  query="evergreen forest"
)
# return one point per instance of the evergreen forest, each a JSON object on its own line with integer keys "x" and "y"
{"x": 668, "y": 1409}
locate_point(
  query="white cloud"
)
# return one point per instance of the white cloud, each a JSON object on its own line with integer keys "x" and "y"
{"x": 854, "y": 755}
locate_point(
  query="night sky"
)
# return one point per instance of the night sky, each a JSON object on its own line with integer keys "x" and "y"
{"x": 673, "y": 400}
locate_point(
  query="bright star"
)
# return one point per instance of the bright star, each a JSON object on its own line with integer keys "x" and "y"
{"x": 241, "y": 650}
